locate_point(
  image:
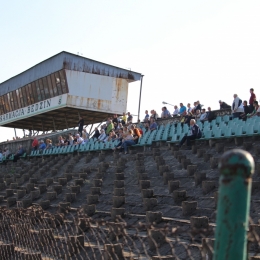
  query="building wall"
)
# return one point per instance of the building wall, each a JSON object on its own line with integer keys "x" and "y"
{"x": 97, "y": 92}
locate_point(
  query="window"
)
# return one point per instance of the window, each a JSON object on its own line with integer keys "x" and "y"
{"x": 55, "y": 90}
{"x": 50, "y": 86}
{"x": 7, "y": 107}
{"x": 11, "y": 100}
{"x": 58, "y": 83}
{"x": 41, "y": 89}
{"x": 63, "y": 82}
{"x": 38, "y": 91}
{"x": 31, "y": 90}
{"x": 2, "y": 104}
{"x": 45, "y": 87}
{"x": 16, "y": 106}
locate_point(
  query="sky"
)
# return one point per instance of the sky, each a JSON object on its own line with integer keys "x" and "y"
{"x": 187, "y": 50}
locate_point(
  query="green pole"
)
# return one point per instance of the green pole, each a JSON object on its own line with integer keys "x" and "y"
{"x": 236, "y": 168}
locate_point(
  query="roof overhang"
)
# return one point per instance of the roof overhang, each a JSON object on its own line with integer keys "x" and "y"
{"x": 62, "y": 118}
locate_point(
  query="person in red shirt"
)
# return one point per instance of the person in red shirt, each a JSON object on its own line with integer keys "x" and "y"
{"x": 251, "y": 100}
{"x": 35, "y": 144}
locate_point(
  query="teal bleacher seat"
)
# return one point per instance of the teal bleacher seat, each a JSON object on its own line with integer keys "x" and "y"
{"x": 218, "y": 119}
{"x": 226, "y": 118}
{"x": 206, "y": 135}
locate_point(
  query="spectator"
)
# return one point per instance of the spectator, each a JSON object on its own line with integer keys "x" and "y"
{"x": 153, "y": 125}
{"x": 81, "y": 124}
{"x": 223, "y": 105}
{"x": 115, "y": 120}
{"x": 246, "y": 110}
{"x": 110, "y": 127}
{"x": 146, "y": 117}
{"x": 85, "y": 135}
{"x": 256, "y": 111}
{"x": 102, "y": 136}
{"x": 189, "y": 109}
{"x": 195, "y": 133}
{"x": 136, "y": 133}
{"x": 176, "y": 111}
{"x": 129, "y": 118}
{"x": 154, "y": 115}
{"x": 49, "y": 144}
{"x": 197, "y": 115}
{"x": 42, "y": 145}
{"x": 203, "y": 115}
{"x": 19, "y": 153}
{"x": 60, "y": 141}
{"x": 66, "y": 141}
{"x": 1, "y": 156}
{"x": 96, "y": 134}
{"x": 35, "y": 144}
{"x": 237, "y": 106}
{"x": 182, "y": 110}
{"x": 251, "y": 100}
{"x": 74, "y": 139}
{"x": 188, "y": 117}
{"x": 129, "y": 141}
{"x": 210, "y": 114}
{"x": 124, "y": 119}
{"x": 6, "y": 153}
{"x": 139, "y": 124}
{"x": 165, "y": 113}
{"x": 198, "y": 105}
{"x": 71, "y": 139}
{"x": 79, "y": 139}
{"x": 194, "y": 108}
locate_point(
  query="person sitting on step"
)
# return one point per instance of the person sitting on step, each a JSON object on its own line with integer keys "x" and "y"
{"x": 195, "y": 133}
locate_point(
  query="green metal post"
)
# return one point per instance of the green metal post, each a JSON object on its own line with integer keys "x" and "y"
{"x": 236, "y": 168}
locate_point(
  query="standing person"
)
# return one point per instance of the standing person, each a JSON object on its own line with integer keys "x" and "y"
{"x": 195, "y": 133}
{"x": 96, "y": 134}
{"x": 237, "y": 106}
{"x": 210, "y": 114}
{"x": 246, "y": 110}
{"x": 35, "y": 144}
{"x": 251, "y": 100}
{"x": 115, "y": 120}
{"x": 182, "y": 110}
{"x": 146, "y": 117}
{"x": 81, "y": 124}
{"x": 129, "y": 118}
{"x": 189, "y": 108}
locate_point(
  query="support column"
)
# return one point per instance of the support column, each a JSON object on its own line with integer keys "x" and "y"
{"x": 140, "y": 97}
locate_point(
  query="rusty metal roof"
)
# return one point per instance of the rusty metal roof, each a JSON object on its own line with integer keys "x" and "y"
{"x": 68, "y": 61}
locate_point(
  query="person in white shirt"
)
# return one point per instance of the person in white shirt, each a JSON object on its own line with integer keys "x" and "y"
{"x": 189, "y": 108}
{"x": 79, "y": 139}
{"x": 176, "y": 111}
{"x": 203, "y": 116}
{"x": 237, "y": 107}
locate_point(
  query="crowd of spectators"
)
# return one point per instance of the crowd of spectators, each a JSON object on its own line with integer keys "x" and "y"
{"x": 127, "y": 133}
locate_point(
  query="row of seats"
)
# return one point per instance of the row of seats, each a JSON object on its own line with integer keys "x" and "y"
{"x": 221, "y": 127}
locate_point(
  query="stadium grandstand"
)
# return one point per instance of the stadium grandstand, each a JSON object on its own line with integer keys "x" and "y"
{"x": 89, "y": 200}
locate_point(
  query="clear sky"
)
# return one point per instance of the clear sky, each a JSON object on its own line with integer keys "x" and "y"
{"x": 187, "y": 50}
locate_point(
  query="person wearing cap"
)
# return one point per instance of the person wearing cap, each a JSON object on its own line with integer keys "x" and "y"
{"x": 223, "y": 105}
